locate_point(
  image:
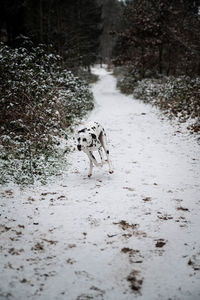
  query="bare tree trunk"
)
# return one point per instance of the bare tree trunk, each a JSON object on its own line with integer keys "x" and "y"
{"x": 160, "y": 58}
{"x": 41, "y": 21}
{"x": 143, "y": 62}
{"x": 169, "y": 61}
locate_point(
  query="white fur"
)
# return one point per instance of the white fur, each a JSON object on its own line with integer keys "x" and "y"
{"x": 90, "y": 138}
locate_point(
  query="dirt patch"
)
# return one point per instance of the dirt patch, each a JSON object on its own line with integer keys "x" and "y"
{"x": 126, "y": 250}
{"x": 129, "y": 189}
{"x": 131, "y": 228}
{"x": 134, "y": 255}
{"x": 4, "y": 228}
{"x": 38, "y": 247}
{"x": 14, "y": 251}
{"x": 182, "y": 221}
{"x": 51, "y": 242}
{"x": 7, "y": 193}
{"x": 147, "y": 199}
{"x": 164, "y": 217}
{"x": 127, "y": 235}
{"x": 70, "y": 261}
{"x": 182, "y": 208}
{"x": 48, "y": 193}
{"x": 135, "y": 280}
{"x": 125, "y": 225}
{"x": 194, "y": 262}
{"x": 160, "y": 243}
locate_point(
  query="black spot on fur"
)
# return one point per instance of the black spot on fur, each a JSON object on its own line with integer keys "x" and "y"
{"x": 82, "y": 130}
{"x": 92, "y": 155}
{"x": 79, "y": 139}
{"x": 93, "y": 136}
{"x": 107, "y": 151}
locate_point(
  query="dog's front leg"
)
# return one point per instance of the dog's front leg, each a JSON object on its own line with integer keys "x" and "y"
{"x": 91, "y": 163}
{"x": 93, "y": 159}
{"x": 101, "y": 156}
{"x": 91, "y": 168}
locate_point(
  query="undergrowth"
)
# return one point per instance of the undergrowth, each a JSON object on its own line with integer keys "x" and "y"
{"x": 39, "y": 100}
{"x": 177, "y": 97}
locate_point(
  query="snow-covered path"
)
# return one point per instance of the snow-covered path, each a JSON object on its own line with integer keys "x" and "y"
{"x": 132, "y": 234}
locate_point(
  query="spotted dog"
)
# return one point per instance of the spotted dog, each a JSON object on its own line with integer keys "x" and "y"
{"x": 91, "y": 138}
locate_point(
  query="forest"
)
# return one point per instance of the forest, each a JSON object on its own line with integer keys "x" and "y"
{"x": 158, "y": 51}
{"x": 99, "y": 149}
{"x": 48, "y": 48}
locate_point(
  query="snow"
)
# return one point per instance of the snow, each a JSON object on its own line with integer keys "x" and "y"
{"x": 131, "y": 234}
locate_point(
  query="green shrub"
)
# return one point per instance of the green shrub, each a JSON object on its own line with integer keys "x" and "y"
{"x": 38, "y": 100}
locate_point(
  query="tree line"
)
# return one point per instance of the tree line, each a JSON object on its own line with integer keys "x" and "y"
{"x": 148, "y": 36}
{"x": 160, "y": 37}
{"x": 73, "y": 27}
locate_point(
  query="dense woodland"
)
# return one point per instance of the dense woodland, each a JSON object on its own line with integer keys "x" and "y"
{"x": 48, "y": 45}
{"x": 152, "y": 36}
{"x": 72, "y": 27}
{"x": 157, "y": 55}
{"x": 160, "y": 37}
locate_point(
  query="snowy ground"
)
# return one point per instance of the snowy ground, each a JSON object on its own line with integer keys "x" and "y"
{"x": 134, "y": 234}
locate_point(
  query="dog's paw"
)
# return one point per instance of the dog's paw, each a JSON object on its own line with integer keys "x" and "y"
{"x": 89, "y": 175}
{"x": 111, "y": 171}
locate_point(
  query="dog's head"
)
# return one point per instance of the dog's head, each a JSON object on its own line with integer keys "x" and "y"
{"x": 85, "y": 139}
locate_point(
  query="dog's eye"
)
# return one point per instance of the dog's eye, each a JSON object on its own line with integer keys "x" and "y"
{"x": 84, "y": 140}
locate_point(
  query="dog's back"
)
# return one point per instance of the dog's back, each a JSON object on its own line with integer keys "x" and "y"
{"x": 95, "y": 127}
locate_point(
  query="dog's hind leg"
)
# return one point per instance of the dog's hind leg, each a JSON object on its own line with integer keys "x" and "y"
{"x": 101, "y": 156}
{"x": 103, "y": 140}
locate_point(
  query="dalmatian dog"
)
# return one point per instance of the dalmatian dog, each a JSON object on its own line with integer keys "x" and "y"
{"x": 92, "y": 138}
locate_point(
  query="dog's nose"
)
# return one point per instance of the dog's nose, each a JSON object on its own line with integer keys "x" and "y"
{"x": 79, "y": 147}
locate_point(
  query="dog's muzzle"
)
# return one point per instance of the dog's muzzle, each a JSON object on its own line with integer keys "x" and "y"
{"x": 79, "y": 147}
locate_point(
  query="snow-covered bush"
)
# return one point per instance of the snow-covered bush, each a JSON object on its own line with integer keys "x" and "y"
{"x": 126, "y": 84}
{"x": 147, "y": 90}
{"x": 87, "y": 75}
{"x": 126, "y": 79}
{"x": 38, "y": 101}
{"x": 181, "y": 96}
{"x": 177, "y": 96}
{"x": 74, "y": 95}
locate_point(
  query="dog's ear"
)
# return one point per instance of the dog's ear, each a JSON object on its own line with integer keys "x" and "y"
{"x": 93, "y": 136}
